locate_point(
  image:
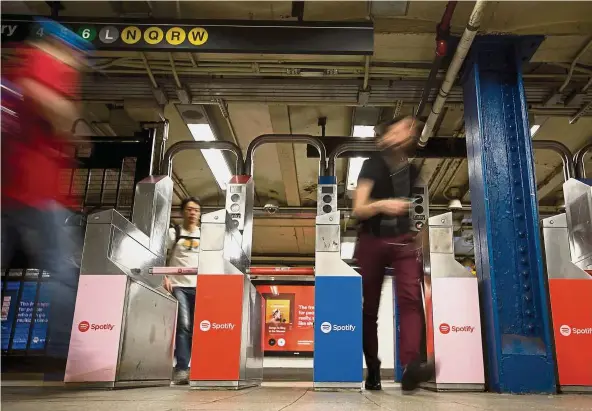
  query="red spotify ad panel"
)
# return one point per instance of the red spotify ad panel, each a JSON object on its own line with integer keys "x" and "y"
{"x": 215, "y": 354}
{"x": 289, "y": 318}
{"x": 571, "y": 308}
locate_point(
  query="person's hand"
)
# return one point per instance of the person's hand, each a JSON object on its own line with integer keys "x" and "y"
{"x": 394, "y": 207}
{"x": 167, "y": 284}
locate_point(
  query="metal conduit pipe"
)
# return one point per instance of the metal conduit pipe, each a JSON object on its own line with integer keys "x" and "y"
{"x": 281, "y": 138}
{"x": 457, "y": 60}
{"x": 364, "y": 146}
{"x": 579, "y": 160}
{"x": 167, "y": 161}
{"x": 573, "y": 65}
{"x": 562, "y": 150}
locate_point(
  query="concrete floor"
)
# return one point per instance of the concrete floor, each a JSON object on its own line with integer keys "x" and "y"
{"x": 276, "y": 398}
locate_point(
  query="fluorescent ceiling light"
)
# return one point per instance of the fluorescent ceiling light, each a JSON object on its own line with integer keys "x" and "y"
{"x": 214, "y": 158}
{"x": 534, "y": 129}
{"x": 355, "y": 164}
{"x": 363, "y": 131}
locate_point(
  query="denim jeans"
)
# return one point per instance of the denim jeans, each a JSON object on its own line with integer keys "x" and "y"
{"x": 186, "y": 298}
{"x": 41, "y": 235}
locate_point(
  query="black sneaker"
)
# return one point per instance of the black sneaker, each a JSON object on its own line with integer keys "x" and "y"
{"x": 415, "y": 373}
{"x": 181, "y": 377}
{"x": 373, "y": 380}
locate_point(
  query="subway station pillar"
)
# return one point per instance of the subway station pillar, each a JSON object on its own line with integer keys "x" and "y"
{"x": 516, "y": 320}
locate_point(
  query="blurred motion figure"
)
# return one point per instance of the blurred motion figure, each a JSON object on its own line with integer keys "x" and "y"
{"x": 382, "y": 204}
{"x": 37, "y": 94}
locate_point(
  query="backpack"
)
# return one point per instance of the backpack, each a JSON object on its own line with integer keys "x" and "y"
{"x": 178, "y": 236}
{"x": 177, "y": 228}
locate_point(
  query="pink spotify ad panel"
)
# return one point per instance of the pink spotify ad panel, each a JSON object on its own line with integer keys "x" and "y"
{"x": 457, "y": 331}
{"x": 94, "y": 344}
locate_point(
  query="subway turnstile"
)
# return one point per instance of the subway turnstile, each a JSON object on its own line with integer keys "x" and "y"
{"x": 452, "y": 312}
{"x": 568, "y": 252}
{"x": 227, "y": 350}
{"x": 124, "y": 324}
{"x": 338, "y": 362}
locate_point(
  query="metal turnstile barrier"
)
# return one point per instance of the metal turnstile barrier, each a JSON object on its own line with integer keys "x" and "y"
{"x": 338, "y": 360}
{"x": 124, "y": 326}
{"x": 227, "y": 336}
{"x": 453, "y": 320}
{"x": 568, "y": 253}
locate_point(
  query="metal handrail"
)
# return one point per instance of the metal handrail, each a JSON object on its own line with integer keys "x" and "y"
{"x": 559, "y": 148}
{"x": 282, "y": 138}
{"x": 167, "y": 161}
{"x": 363, "y": 146}
{"x": 563, "y": 151}
{"x": 578, "y": 160}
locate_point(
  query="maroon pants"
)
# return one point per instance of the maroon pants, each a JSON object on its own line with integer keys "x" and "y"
{"x": 401, "y": 253}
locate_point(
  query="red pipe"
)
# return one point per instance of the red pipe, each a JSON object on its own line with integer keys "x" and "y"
{"x": 281, "y": 271}
{"x": 442, "y": 34}
{"x": 443, "y": 30}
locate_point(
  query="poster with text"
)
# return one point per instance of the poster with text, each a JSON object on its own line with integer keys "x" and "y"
{"x": 289, "y": 318}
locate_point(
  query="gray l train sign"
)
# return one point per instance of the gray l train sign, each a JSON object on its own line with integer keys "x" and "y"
{"x": 213, "y": 36}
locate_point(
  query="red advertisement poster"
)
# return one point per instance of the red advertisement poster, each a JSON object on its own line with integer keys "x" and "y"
{"x": 289, "y": 318}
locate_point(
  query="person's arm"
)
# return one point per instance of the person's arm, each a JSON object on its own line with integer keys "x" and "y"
{"x": 364, "y": 206}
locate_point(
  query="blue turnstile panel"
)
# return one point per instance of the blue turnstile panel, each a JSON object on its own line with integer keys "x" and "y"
{"x": 338, "y": 329}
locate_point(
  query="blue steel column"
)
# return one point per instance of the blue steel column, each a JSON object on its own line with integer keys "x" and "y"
{"x": 518, "y": 345}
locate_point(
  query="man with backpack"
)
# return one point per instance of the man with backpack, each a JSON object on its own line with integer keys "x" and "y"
{"x": 183, "y": 251}
{"x": 382, "y": 205}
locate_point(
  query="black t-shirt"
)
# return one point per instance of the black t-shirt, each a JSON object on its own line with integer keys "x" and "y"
{"x": 388, "y": 183}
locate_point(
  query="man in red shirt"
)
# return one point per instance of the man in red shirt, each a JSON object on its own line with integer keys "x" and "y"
{"x": 46, "y": 75}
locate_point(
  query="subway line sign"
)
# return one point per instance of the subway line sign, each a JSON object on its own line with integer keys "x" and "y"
{"x": 212, "y": 36}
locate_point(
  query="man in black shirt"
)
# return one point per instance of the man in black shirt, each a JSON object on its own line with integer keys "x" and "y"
{"x": 382, "y": 205}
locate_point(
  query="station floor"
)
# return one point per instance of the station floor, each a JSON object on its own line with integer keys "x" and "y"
{"x": 276, "y": 397}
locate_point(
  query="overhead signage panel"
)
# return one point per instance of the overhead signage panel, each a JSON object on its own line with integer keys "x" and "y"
{"x": 209, "y": 36}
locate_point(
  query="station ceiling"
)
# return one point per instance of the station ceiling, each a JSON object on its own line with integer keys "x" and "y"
{"x": 246, "y": 95}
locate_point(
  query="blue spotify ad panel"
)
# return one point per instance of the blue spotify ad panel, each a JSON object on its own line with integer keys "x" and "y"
{"x": 338, "y": 329}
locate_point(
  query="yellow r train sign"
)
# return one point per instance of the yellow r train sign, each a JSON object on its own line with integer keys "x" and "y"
{"x": 175, "y": 36}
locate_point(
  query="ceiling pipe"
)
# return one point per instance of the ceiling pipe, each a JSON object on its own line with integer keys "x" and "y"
{"x": 442, "y": 35}
{"x": 457, "y": 60}
{"x": 573, "y": 65}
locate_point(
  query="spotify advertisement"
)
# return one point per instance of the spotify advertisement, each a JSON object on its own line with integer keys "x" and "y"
{"x": 289, "y": 319}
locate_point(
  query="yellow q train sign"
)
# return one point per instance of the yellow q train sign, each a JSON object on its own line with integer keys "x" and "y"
{"x": 153, "y": 35}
